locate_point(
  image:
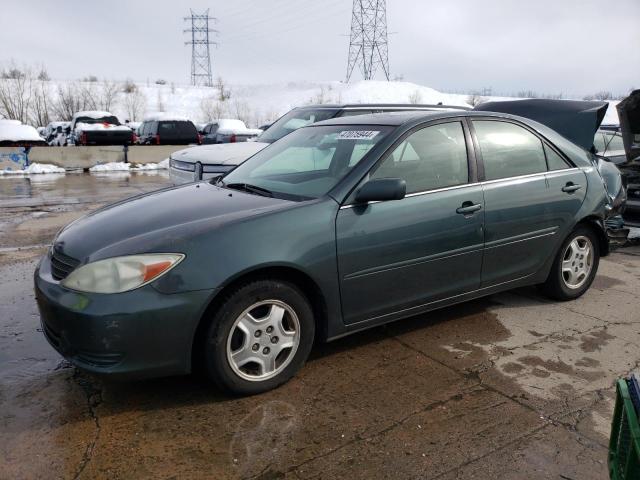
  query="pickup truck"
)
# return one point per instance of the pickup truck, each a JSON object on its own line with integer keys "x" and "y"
{"x": 98, "y": 128}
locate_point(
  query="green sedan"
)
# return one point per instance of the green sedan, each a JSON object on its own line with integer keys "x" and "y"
{"x": 338, "y": 227}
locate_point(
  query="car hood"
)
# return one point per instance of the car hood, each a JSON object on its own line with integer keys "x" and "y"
{"x": 220, "y": 154}
{"x": 629, "y": 114}
{"x": 575, "y": 120}
{"x": 164, "y": 220}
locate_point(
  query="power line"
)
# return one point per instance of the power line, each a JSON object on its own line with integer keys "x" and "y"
{"x": 368, "y": 44}
{"x": 200, "y": 48}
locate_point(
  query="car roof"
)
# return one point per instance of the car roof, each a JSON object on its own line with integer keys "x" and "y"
{"x": 364, "y": 106}
{"x": 396, "y": 119}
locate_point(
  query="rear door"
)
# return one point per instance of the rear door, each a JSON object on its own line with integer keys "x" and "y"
{"x": 401, "y": 255}
{"x": 526, "y": 209}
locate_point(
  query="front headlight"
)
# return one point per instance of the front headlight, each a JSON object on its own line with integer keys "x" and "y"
{"x": 121, "y": 274}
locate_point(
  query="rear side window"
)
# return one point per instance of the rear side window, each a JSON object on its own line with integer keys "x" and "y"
{"x": 508, "y": 150}
{"x": 430, "y": 158}
{"x": 614, "y": 143}
{"x": 177, "y": 128}
{"x": 555, "y": 161}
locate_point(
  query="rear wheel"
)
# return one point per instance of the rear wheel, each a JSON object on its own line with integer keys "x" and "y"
{"x": 575, "y": 266}
{"x": 259, "y": 338}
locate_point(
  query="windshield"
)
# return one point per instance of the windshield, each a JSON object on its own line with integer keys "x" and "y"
{"x": 308, "y": 163}
{"x": 91, "y": 120}
{"x": 295, "y": 119}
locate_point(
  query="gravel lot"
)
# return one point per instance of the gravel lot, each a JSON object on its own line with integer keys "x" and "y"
{"x": 509, "y": 387}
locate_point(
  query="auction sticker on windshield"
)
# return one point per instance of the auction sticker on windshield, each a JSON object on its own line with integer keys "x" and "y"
{"x": 357, "y": 134}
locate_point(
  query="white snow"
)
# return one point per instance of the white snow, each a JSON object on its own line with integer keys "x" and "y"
{"x": 92, "y": 127}
{"x": 34, "y": 168}
{"x": 111, "y": 167}
{"x": 128, "y": 167}
{"x": 14, "y": 131}
{"x": 96, "y": 114}
{"x": 166, "y": 117}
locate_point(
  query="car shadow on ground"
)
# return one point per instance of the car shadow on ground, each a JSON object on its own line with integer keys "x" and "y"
{"x": 195, "y": 389}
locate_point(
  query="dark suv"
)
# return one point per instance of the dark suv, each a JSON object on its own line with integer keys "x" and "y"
{"x": 168, "y": 132}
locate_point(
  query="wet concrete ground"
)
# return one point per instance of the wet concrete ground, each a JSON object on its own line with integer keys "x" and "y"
{"x": 509, "y": 387}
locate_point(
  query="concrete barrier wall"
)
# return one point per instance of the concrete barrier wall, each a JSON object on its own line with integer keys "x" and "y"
{"x": 72, "y": 158}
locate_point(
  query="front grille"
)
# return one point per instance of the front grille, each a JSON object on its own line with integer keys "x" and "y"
{"x": 62, "y": 265}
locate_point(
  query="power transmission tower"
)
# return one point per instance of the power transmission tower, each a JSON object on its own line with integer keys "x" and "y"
{"x": 200, "y": 51}
{"x": 368, "y": 46}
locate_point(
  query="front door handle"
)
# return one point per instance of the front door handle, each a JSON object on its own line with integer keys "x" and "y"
{"x": 571, "y": 187}
{"x": 468, "y": 208}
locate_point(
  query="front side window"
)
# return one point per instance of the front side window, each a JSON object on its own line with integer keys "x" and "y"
{"x": 433, "y": 157}
{"x": 307, "y": 163}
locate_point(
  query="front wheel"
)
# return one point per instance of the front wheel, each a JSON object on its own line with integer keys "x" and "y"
{"x": 575, "y": 266}
{"x": 259, "y": 337}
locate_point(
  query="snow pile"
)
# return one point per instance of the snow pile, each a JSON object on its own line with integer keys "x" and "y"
{"x": 166, "y": 117}
{"x": 128, "y": 167}
{"x": 151, "y": 166}
{"x": 14, "y": 131}
{"x": 92, "y": 127}
{"x": 34, "y": 168}
{"x": 95, "y": 114}
{"x": 111, "y": 167}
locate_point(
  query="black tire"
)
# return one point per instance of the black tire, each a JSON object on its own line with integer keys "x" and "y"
{"x": 555, "y": 286}
{"x": 216, "y": 362}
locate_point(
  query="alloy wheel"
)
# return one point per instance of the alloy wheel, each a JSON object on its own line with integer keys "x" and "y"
{"x": 263, "y": 340}
{"x": 577, "y": 262}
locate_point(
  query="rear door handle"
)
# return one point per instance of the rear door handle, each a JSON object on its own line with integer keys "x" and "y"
{"x": 468, "y": 208}
{"x": 571, "y": 187}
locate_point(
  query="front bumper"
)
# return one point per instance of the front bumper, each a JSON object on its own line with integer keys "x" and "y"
{"x": 137, "y": 334}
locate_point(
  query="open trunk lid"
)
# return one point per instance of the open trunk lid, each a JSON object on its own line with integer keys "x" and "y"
{"x": 575, "y": 120}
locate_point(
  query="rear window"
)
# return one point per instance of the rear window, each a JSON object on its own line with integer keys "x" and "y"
{"x": 177, "y": 128}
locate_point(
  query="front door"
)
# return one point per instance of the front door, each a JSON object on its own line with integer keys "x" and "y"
{"x": 398, "y": 256}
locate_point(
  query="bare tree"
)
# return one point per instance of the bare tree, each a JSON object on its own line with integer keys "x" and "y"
{"x": 160, "y": 102}
{"x": 224, "y": 93}
{"x": 129, "y": 86}
{"x": 135, "y": 103}
{"x": 108, "y": 95}
{"x": 16, "y": 90}
{"x": 603, "y": 95}
{"x": 415, "y": 98}
{"x": 69, "y": 101}
{"x": 242, "y": 110}
{"x": 475, "y": 99}
{"x": 40, "y": 108}
{"x": 212, "y": 108}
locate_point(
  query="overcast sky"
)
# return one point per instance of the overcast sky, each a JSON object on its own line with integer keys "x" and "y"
{"x": 551, "y": 46}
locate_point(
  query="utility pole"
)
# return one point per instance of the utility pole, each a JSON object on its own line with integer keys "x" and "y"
{"x": 368, "y": 45}
{"x": 200, "y": 51}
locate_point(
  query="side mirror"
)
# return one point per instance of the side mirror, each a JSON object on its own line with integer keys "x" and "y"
{"x": 381, "y": 190}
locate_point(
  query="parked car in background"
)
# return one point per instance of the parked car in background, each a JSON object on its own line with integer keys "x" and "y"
{"x": 226, "y": 130}
{"x": 629, "y": 115}
{"x": 340, "y": 226}
{"x": 14, "y": 134}
{"x": 98, "y": 128}
{"x": 609, "y": 144}
{"x": 168, "y": 130}
{"x": 212, "y": 160}
{"x": 55, "y": 134}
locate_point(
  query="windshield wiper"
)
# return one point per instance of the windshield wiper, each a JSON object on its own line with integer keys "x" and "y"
{"x": 250, "y": 188}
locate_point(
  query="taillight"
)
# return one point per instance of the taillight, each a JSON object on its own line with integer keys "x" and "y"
{"x": 83, "y": 138}
{"x": 232, "y": 138}
{"x": 157, "y": 139}
{"x": 134, "y": 138}
{"x": 200, "y": 137}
